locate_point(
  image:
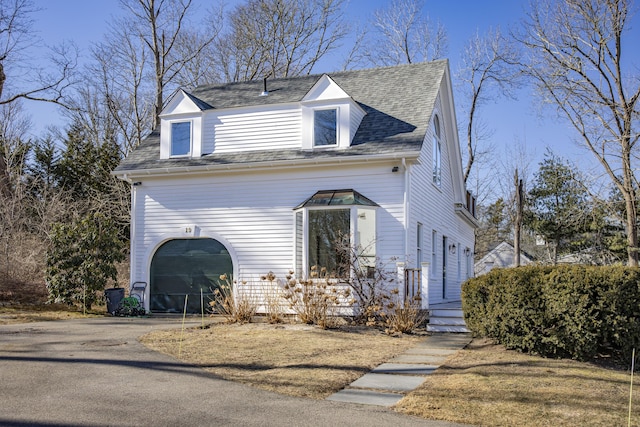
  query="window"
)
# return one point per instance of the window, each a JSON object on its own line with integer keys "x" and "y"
{"x": 434, "y": 249}
{"x": 325, "y": 127}
{"x": 459, "y": 261}
{"x": 469, "y": 262}
{"x": 419, "y": 246}
{"x": 329, "y": 241}
{"x": 180, "y": 139}
{"x": 330, "y": 224}
{"x": 437, "y": 152}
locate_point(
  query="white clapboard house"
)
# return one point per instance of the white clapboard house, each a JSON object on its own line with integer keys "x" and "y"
{"x": 247, "y": 178}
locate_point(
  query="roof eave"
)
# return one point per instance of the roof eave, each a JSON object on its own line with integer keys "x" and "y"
{"x": 127, "y": 174}
{"x": 463, "y": 212}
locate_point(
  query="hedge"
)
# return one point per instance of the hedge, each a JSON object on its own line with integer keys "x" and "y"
{"x": 563, "y": 311}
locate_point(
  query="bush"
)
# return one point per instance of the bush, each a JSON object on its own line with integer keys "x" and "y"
{"x": 402, "y": 315}
{"x": 563, "y": 311}
{"x": 236, "y": 305}
{"x": 82, "y": 259}
{"x": 317, "y": 300}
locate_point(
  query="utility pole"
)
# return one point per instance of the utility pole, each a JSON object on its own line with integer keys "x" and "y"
{"x": 518, "y": 222}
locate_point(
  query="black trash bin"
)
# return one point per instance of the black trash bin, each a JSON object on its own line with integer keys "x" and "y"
{"x": 113, "y": 297}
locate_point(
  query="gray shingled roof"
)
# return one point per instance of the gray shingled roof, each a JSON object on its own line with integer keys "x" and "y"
{"x": 398, "y": 101}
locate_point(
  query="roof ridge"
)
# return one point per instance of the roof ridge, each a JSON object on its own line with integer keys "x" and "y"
{"x": 328, "y": 73}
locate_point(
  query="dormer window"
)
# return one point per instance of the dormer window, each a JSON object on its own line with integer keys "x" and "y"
{"x": 180, "y": 139}
{"x": 325, "y": 127}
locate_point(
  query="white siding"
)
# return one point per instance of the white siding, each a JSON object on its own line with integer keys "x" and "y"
{"x": 357, "y": 115}
{"x": 254, "y": 214}
{"x": 434, "y": 207}
{"x": 227, "y": 132}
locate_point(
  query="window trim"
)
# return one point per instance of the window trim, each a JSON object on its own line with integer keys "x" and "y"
{"x": 434, "y": 252}
{"x": 171, "y": 145}
{"x": 336, "y": 125}
{"x": 301, "y": 231}
{"x": 419, "y": 245}
{"x": 437, "y": 152}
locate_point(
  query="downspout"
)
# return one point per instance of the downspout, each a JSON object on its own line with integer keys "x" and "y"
{"x": 132, "y": 227}
{"x": 407, "y": 202}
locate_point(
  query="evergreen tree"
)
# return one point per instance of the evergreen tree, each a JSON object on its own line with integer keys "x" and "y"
{"x": 82, "y": 259}
{"x": 557, "y": 205}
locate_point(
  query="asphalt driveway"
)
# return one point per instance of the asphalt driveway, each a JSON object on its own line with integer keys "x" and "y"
{"x": 94, "y": 372}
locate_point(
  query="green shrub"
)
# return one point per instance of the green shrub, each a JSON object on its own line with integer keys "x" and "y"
{"x": 82, "y": 259}
{"x": 562, "y": 311}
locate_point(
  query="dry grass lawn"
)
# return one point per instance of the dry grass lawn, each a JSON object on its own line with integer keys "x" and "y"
{"x": 289, "y": 359}
{"x": 490, "y": 386}
{"x": 481, "y": 385}
{"x": 26, "y": 314}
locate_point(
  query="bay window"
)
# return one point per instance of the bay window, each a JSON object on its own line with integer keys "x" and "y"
{"x": 333, "y": 226}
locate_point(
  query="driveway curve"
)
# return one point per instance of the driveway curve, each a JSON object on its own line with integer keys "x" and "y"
{"x": 94, "y": 372}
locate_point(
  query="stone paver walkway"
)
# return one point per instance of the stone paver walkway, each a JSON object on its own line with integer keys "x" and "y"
{"x": 389, "y": 382}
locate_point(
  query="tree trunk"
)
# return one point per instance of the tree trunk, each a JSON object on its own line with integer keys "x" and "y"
{"x": 5, "y": 188}
{"x": 632, "y": 229}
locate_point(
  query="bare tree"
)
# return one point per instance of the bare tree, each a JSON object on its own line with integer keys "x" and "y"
{"x": 162, "y": 26}
{"x": 488, "y": 63}
{"x": 20, "y": 78}
{"x": 118, "y": 97}
{"x": 402, "y": 34}
{"x": 279, "y": 38}
{"x": 202, "y": 68}
{"x": 578, "y": 63}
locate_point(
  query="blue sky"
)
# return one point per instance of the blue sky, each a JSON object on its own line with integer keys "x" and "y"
{"x": 85, "y": 22}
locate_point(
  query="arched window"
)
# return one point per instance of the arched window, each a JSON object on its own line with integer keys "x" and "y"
{"x": 437, "y": 152}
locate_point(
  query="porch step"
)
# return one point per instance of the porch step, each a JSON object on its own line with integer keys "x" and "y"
{"x": 446, "y": 312}
{"x": 447, "y": 320}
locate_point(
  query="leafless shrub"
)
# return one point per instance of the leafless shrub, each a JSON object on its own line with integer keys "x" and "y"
{"x": 236, "y": 305}
{"x": 273, "y": 298}
{"x": 402, "y": 314}
{"x": 319, "y": 299}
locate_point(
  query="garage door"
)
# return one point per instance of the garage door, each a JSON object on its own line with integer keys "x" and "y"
{"x": 183, "y": 268}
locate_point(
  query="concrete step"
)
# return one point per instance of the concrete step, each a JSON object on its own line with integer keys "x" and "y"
{"x": 458, "y": 321}
{"x": 459, "y": 329}
{"x": 446, "y": 312}
{"x": 446, "y": 319}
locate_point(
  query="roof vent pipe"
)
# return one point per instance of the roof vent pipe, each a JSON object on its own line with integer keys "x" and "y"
{"x": 265, "y": 92}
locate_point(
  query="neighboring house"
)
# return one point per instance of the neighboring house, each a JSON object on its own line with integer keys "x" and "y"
{"x": 501, "y": 256}
{"x": 247, "y": 178}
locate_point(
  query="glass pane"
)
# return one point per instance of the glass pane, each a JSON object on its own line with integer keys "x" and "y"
{"x": 185, "y": 267}
{"x": 366, "y": 229}
{"x": 324, "y": 130}
{"x": 180, "y": 138}
{"x": 329, "y": 240}
{"x": 436, "y": 161}
{"x": 336, "y": 197}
